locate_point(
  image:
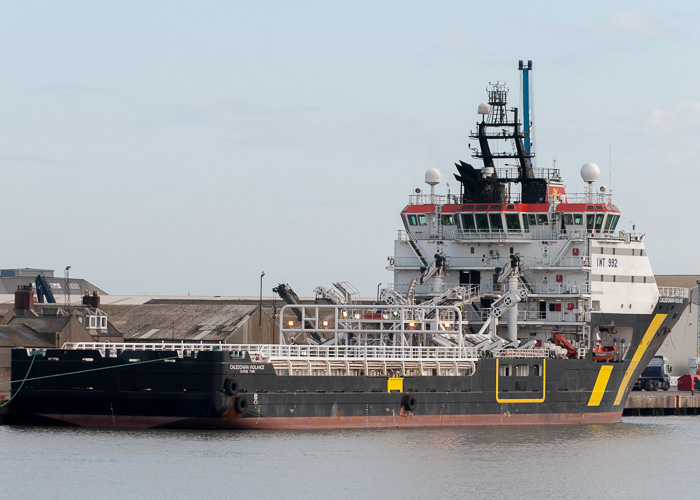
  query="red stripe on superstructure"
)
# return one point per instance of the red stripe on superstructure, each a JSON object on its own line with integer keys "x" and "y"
{"x": 583, "y": 207}
{"x": 446, "y": 209}
{"x": 419, "y": 209}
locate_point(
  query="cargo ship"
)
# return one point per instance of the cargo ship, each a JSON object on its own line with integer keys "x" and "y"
{"x": 513, "y": 302}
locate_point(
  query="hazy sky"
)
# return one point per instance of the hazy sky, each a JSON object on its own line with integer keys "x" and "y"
{"x": 169, "y": 147}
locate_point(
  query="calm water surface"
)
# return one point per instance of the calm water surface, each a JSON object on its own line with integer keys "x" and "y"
{"x": 639, "y": 458}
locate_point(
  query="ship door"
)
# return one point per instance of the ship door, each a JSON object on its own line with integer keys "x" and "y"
{"x": 520, "y": 380}
{"x": 469, "y": 278}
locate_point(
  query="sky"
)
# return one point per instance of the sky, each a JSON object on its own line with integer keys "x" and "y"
{"x": 182, "y": 147}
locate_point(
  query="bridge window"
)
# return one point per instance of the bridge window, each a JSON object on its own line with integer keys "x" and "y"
{"x": 599, "y": 221}
{"x": 496, "y": 221}
{"x": 578, "y": 219}
{"x": 468, "y": 222}
{"x": 608, "y": 221}
{"x": 568, "y": 219}
{"x": 613, "y": 223}
{"x": 532, "y": 219}
{"x": 482, "y": 222}
{"x": 416, "y": 219}
{"x": 526, "y": 224}
{"x": 513, "y": 222}
{"x": 590, "y": 221}
{"x": 447, "y": 220}
{"x": 542, "y": 219}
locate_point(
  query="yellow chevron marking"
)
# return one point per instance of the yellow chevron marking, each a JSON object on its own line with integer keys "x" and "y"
{"x": 646, "y": 340}
{"x": 600, "y": 384}
{"x": 539, "y": 400}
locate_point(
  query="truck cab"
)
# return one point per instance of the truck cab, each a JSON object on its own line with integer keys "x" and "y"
{"x": 657, "y": 375}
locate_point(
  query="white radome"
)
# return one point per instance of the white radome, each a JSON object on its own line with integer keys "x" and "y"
{"x": 432, "y": 177}
{"x": 590, "y": 172}
{"x": 484, "y": 109}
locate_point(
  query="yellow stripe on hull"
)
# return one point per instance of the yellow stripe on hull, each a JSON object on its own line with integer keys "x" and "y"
{"x": 600, "y": 384}
{"x": 646, "y": 340}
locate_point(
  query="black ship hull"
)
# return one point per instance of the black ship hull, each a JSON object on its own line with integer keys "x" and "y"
{"x": 229, "y": 390}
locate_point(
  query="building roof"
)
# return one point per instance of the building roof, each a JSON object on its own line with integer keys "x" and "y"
{"x": 11, "y": 279}
{"x": 678, "y": 280}
{"x": 199, "y": 320}
{"x": 21, "y": 336}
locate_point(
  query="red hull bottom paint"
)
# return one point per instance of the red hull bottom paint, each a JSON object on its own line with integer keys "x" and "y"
{"x": 383, "y": 422}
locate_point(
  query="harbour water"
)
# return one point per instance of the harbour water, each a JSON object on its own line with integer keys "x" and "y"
{"x": 641, "y": 457}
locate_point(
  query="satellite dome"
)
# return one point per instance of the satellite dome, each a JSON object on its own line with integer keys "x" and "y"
{"x": 590, "y": 172}
{"x": 432, "y": 176}
{"x": 484, "y": 109}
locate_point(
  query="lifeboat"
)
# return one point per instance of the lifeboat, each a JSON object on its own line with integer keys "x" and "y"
{"x": 604, "y": 353}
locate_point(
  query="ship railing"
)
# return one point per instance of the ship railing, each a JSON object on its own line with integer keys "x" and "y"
{"x": 674, "y": 292}
{"x": 381, "y": 319}
{"x": 281, "y": 352}
{"x": 592, "y": 198}
{"x": 274, "y": 352}
{"x": 436, "y": 199}
{"x": 182, "y": 347}
{"x": 535, "y": 353}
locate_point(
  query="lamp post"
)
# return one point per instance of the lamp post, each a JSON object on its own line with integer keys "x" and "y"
{"x": 260, "y": 309}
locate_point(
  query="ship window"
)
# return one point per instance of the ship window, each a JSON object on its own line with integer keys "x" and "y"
{"x": 578, "y": 219}
{"x": 482, "y": 207}
{"x": 471, "y": 250}
{"x": 496, "y": 207}
{"x": 608, "y": 221}
{"x": 510, "y": 207}
{"x": 505, "y": 370}
{"x": 542, "y": 220}
{"x": 536, "y": 370}
{"x": 532, "y": 219}
{"x": 412, "y": 220}
{"x": 513, "y": 222}
{"x": 421, "y": 219}
{"x": 482, "y": 222}
{"x": 599, "y": 221}
{"x": 468, "y": 222}
{"x": 613, "y": 224}
{"x": 526, "y": 224}
{"x": 496, "y": 221}
{"x": 467, "y": 207}
{"x": 447, "y": 220}
{"x": 568, "y": 219}
{"x": 590, "y": 219}
{"x": 522, "y": 371}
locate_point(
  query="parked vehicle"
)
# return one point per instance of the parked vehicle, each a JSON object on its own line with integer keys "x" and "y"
{"x": 657, "y": 375}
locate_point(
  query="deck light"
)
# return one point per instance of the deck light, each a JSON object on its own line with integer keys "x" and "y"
{"x": 412, "y": 324}
{"x": 290, "y": 323}
{"x": 325, "y": 324}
